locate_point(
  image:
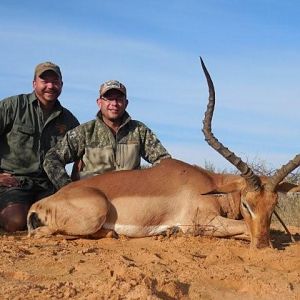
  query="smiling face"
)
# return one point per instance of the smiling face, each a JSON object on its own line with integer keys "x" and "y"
{"x": 47, "y": 88}
{"x": 112, "y": 105}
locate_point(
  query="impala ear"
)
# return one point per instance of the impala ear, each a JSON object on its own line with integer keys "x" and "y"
{"x": 233, "y": 185}
{"x": 285, "y": 187}
{"x": 230, "y": 187}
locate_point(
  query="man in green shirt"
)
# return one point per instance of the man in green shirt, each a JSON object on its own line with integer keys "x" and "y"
{"x": 30, "y": 124}
{"x": 111, "y": 142}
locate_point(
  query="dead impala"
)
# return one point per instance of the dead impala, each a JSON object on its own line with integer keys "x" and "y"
{"x": 171, "y": 195}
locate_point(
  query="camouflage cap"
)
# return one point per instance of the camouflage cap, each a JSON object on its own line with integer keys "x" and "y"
{"x": 47, "y": 66}
{"x": 110, "y": 85}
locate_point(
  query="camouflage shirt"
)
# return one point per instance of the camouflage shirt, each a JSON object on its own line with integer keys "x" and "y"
{"x": 25, "y": 136}
{"x": 101, "y": 151}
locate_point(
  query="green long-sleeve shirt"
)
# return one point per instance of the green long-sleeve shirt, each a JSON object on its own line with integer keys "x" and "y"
{"x": 25, "y": 136}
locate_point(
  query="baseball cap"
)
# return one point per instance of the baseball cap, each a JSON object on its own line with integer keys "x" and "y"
{"x": 47, "y": 66}
{"x": 110, "y": 85}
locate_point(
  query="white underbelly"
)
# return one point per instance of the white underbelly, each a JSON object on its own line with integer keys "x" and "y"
{"x": 130, "y": 216}
{"x": 138, "y": 231}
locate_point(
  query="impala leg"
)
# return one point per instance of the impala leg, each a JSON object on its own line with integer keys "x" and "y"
{"x": 44, "y": 231}
{"x": 78, "y": 212}
{"x": 224, "y": 227}
{"x": 104, "y": 233}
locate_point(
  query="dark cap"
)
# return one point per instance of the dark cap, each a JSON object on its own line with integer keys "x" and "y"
{"x": 112, "y": 85}
{"x": 46, "y": 66}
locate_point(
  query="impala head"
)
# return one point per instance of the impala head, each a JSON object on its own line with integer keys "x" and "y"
{"x": 257, "y": 208}
{"x": 258, "y": 200}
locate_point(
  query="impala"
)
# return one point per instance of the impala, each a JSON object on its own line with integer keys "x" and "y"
{"x": 170, "y": 196}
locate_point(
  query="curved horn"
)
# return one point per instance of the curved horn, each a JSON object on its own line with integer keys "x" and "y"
{"x": 282, "y": 173}
{"x": 253, "y": 181}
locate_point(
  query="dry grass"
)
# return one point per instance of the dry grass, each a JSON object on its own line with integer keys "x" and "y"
{"x": 288, "y": 209}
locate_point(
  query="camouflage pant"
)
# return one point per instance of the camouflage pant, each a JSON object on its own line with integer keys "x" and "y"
{"x": 29, "y": 191}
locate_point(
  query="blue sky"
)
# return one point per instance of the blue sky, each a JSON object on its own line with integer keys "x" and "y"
{"x": 251, "y": 49}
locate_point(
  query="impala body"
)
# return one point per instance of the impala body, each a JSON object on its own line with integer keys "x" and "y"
{"x": 170, "y": 196}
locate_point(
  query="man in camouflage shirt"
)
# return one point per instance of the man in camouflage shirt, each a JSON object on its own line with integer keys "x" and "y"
{"x": 30, "y": 124}
{"x": 113, "y": 141}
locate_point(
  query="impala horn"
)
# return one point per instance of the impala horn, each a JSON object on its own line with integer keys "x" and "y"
{"x": 253, "y": 181}
{"x": 282, "y": 173}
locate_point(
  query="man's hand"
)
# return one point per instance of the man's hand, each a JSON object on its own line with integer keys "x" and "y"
{"x": 8, "y": 180}
{"x": 77, "y": 167}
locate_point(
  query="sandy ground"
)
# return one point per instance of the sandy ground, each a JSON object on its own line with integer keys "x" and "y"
{"x": 176, "y": 267}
